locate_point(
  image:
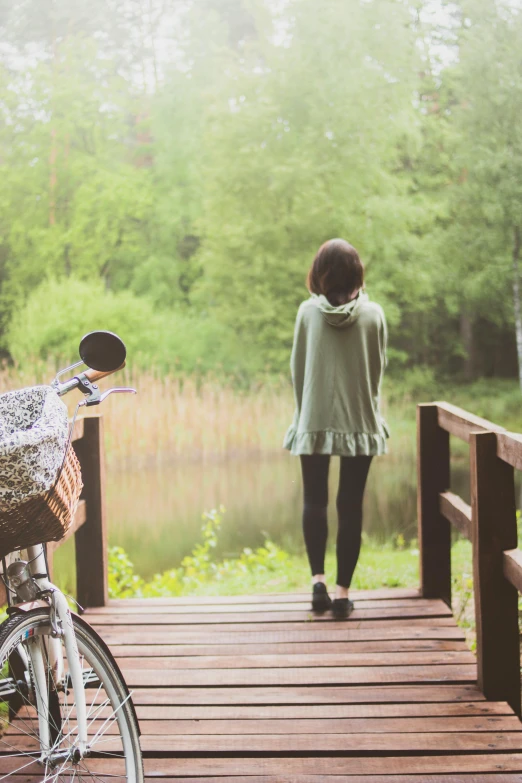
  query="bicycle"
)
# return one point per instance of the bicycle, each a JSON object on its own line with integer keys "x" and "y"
{"x": 66, "y": 713}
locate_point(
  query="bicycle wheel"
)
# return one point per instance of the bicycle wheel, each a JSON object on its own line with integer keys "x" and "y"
{"x": 114, "y": 749}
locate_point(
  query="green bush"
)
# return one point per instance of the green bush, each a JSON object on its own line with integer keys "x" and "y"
{"x": 260, "y": 570}
{"x": 123, "y": 582}
{"x": 198, "y": 570}
{"x": 59, "y": 312}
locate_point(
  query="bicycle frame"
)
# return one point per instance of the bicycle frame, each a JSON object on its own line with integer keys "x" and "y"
{"x": 61, "y": 625}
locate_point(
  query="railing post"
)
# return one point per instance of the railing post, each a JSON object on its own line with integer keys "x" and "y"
{"x": 433, "y": 477}
{"x": 91, "y": 538}
{"x": 494, "y": 529}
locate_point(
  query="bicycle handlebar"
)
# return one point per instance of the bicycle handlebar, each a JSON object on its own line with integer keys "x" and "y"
{"x": 97, "y": 375}
{"x": 89, "y": 377}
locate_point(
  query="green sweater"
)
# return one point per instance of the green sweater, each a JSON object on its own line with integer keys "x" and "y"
{"x": 337, "y": 363}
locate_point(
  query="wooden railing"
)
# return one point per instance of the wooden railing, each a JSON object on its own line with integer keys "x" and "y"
{"x": 89, "y": 526}
{"x": 490, "y": 523}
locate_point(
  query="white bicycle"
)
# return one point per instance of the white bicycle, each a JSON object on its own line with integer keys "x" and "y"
{"x": 66, "y": 713}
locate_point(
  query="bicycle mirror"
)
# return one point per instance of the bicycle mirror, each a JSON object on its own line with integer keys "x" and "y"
{"x": 102, "y": 351}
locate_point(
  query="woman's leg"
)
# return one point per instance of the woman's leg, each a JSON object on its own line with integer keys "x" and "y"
{"x": 314, "y": 468}
{"x": 352, "y": 481}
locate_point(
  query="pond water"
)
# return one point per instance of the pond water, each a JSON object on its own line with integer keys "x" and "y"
{"x": 155, "y": 515}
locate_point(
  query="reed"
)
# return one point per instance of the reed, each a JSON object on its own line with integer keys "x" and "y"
{"x": 204, "y": 419}
{"x": 180, "y": 418}
{"x": 190, "y": 419}
{"x": 197, "y": 418}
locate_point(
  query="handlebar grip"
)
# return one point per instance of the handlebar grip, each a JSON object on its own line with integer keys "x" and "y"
{"x": 97, "y": 375}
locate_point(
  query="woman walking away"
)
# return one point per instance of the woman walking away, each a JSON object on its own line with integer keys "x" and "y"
{"x": 337, "y": 363}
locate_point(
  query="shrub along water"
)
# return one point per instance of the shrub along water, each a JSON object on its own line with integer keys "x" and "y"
{"x": 268, "y": 568}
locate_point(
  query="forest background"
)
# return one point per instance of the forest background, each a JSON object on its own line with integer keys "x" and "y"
{"x": 170, "y": 168}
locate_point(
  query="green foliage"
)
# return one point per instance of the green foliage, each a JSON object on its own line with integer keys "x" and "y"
{"x": 265, "y": 569}
{"x": 198, "y": 570}
{"x": 123, "y": 582}
{"x": 175, "y": 341}
{"x": 192, "y": 158}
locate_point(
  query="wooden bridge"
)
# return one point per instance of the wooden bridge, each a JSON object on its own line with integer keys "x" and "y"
{"x": 256, "y": 689}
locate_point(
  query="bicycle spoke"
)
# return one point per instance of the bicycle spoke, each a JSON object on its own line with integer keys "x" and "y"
{"x": 114, "y": 713}
{"x": 107, "y": 714}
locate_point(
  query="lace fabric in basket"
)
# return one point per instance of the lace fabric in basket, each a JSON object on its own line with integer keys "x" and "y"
{"x": 33, "y": 439}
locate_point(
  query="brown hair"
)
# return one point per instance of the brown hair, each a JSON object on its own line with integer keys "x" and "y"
{"x": 336, "y": 271}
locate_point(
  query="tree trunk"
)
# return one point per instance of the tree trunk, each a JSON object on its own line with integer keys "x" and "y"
{"x": 517, "y": 243}
{"x": 468, "y": 343}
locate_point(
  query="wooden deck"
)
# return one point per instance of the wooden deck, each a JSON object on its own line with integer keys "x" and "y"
{"x": 257, "y": 689}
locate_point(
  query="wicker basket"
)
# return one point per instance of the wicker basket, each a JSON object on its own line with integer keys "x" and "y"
{"x": 46, "y": 517}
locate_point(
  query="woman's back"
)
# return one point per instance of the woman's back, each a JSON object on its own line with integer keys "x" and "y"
{"x": 337, "y": 362}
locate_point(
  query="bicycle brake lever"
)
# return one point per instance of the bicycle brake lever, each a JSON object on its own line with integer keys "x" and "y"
{"x": 118, "y": 390}
{"x": 96, "y": 400}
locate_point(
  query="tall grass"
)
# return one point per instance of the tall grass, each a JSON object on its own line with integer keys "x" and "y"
{"x": 179, "y": 418}
{"x": 190, "y": 419}
{"x": 204, "y": 418}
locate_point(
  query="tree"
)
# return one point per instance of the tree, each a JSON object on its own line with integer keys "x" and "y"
{"x": 487, "y": 195}
{"x": 303, "y": 146}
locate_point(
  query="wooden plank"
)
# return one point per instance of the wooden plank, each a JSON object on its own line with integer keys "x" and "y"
{"x": 461, "y": 423}
{"x": 282, "y": 715}
{"x": 290, "y": 712}
{"x": 326, "y": 766}
{"x": 496, "y": 600}
{"x": 469, "y": 742}
{"x": 445, "y": 626}
{"x": 512, "y": 567}
{"x": 302, "y": 694}
{"x": 342, "y": 648}
{"x": 506, "y": 777}
{"x": 212, "y": 766}
{"x": 430, "y": 604}
{"x": 489, "y": 743}
{"x": 509, "y": 448}
{"x": 381, "y": 593}
{"x": 341, "y": 675}
{"x": 435, "y": 610}
{"x": 278, "y": 661}
{"x": 251, "y": 767}
{"x": 341, "y": 726}
{"x": 295, "y": 633}
{"x": 91, "y": 538}
{"x": 456, "y": 511}
{"x": 433, "y": 477}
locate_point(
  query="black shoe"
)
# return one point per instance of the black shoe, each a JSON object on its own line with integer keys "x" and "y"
{"x": 321, "y": 601}
{"x": 341, "y": 608}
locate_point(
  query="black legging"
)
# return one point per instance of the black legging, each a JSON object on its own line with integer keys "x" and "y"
{"x": 352, "y": 481}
